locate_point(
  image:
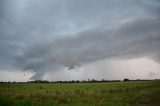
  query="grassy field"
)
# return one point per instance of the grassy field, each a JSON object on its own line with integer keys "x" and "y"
{"x": 144, "y": 93}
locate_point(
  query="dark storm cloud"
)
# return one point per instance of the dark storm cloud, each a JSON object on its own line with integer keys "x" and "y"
{"x": 49, "y": 35}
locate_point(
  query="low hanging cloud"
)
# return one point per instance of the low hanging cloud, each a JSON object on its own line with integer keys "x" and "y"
{"x": 140, "y": 39}
{"x": 75, "y": 40}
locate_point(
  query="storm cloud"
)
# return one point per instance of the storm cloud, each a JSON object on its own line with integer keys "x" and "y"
{"x": 44, "y": 36}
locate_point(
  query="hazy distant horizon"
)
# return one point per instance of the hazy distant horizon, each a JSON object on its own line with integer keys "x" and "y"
{"x": 79, "y": 40}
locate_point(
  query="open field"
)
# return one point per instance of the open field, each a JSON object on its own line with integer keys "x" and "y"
{"x": 141, "y": 93}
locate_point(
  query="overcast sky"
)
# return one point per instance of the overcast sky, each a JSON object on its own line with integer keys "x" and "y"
{"x": 79, "y": 39}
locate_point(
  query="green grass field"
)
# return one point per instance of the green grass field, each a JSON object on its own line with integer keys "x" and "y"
{"x": 144, "y": 93}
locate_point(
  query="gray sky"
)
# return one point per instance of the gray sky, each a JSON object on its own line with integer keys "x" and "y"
{"x": 79, "y": 39}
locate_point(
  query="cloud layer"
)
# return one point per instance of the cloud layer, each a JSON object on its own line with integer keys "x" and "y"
{"x": 43, "y": 36}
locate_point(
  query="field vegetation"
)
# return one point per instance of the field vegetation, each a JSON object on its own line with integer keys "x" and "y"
{"x": 130, "y": 93}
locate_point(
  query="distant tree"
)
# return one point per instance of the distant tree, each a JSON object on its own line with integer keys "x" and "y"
{"x": 88, "y": 80}
{"x": 126, "y": 79}
{"x": 93, "y": 80}
{"x": 103, "y": 80}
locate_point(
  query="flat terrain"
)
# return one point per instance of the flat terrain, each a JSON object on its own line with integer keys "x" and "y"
{"x": 140, "y": 93}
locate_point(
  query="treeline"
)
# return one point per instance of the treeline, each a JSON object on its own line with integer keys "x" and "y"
{"x": 74, "y": 81}
{"x": 80, "y": 81}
